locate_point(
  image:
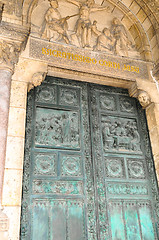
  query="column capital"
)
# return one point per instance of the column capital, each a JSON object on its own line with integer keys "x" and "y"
{"x": 13, "y": 41}
{"x": 9, "y": 55}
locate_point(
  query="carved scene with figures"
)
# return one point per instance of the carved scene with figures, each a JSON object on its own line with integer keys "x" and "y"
{"x": 89, "y": 25}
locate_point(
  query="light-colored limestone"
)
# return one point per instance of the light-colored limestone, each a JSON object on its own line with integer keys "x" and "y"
{"x": 155, "y": 51}
{"x": 14, "y": 227}
{"x": 18, "y": 94}
{"x": 127, "y": 2}
{"x": 152, "y": 113}
{"x": 14, "y": 152}
{"x": 126, "y": 22}
{"x": 141, "y": 15}
{"x": 151, "y": 32}
{"x": 153, "y": 42}
{"x": 134, "y": 7}
{"x": 154, "y": 136}
{"x": 147, "y": 24}
{"x": 12, "y": 187}
{"x": 16, "y": 124}
{"x": 133, "y": 31}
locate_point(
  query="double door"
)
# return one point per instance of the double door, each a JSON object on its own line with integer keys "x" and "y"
{"x": 88, "y": 170}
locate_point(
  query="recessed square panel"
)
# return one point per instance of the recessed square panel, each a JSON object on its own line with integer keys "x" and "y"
{"x": 136, "y": 168}
{"x": 114, "y": 167}
{"x": 127, "y": 104}
{"x": 46, "y": 94}
{"x": 71, "y": 165}
{"x": 57, "y": 128}
{"x": 68, "y": 96}
{"x": 108, "y": 102}
{"x": 45, "y": 164}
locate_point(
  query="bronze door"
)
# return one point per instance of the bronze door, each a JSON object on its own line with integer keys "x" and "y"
{"x": 88, "y": 169}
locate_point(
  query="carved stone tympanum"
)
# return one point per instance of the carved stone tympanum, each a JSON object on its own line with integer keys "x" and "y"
{"x": 83, "y": 28}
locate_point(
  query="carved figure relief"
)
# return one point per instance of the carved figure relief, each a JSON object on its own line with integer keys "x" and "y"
{"x": 81, "y": 30}
{"x": 83, "y": 27}
{"x": 144, "y": 99}
{"x": 120, "y": 134}
{"x": 54, "y": 26}
{"x": 62, "y": 126}
{"x": 122, "y": 43}
{"x": 37, "y": 79}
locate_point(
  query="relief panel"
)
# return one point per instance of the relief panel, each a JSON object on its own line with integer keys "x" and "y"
{"x": 57, "y": 128}
{"x": 127, "y": 105}
{"x": 46, "y": 94}
{"x": 71, "y": 165}
{"x": 45, "y": 164}
{"x": 80, "y": 27}
{"x": 136, "y": 169}
{"x": 120, "y": 134}
{"x": 57, "y": 187}
{"x": 68, "y": 97}
{"x": 108, "y": 102}
{"x": 114, "y": 167}
{"x": 127, "y": 189}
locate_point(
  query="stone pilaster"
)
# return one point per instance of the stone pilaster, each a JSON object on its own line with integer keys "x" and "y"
{"x": 5, "y": 84}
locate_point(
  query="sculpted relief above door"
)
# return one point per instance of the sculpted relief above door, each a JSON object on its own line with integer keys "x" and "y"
{"x": 90, "y": 25}
{"x": 88, "y": 169}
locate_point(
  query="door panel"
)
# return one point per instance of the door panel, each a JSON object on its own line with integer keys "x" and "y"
{"x": 58, "y": 179}
{"x": 121, "y": 166}
{"x": 88, "y": 170}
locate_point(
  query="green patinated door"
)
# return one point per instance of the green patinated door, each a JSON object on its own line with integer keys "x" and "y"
{"x": 88, "y": 170}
